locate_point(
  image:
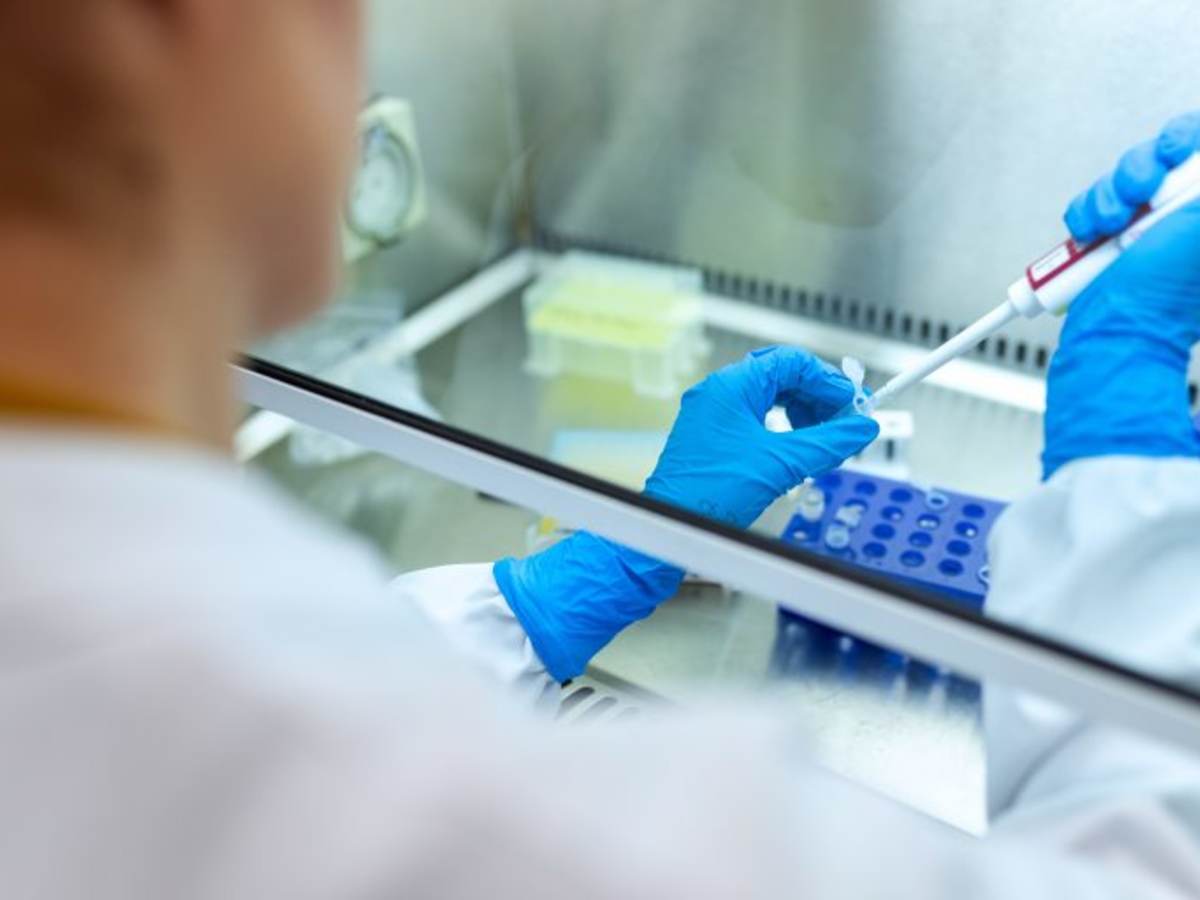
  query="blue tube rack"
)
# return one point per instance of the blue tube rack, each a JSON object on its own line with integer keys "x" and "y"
{"x": 936, "y": 540}
{"x": 932, "y": 539}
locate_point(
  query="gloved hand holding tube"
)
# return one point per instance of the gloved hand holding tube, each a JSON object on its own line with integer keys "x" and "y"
{"x": 720, "y": 461}
{"x": 1118, "y": 383}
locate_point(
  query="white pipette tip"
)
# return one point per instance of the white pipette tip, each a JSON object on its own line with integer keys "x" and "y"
{"x": 961, "y": 343}
{"x": 871, "y": 402}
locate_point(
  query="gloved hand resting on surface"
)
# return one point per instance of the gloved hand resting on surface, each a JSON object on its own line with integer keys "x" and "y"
{"x": 720, "y": 461}
{"x": 1118, "y": 382}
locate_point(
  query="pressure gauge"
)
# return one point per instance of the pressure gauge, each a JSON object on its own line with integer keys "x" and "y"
{"x": 387, "y": 200}
{"x": 383, "y": 189}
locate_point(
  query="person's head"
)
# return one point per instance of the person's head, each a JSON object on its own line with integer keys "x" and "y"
{"x": 209, "y": 132}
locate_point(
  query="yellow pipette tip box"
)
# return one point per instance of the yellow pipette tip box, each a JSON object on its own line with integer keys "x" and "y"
{"x": 617, "y": 319}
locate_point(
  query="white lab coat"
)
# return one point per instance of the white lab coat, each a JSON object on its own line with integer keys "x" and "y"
{"x": 204, "y": 693}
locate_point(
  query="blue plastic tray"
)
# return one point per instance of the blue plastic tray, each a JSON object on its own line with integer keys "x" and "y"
{"x": 935, "y": 540}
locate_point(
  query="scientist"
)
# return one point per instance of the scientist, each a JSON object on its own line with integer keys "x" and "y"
{"x": 206, "y": 694}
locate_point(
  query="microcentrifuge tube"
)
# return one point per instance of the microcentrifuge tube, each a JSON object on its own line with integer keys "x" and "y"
{"x": 857, "y": 373}
{"x": 849, "y": 515}
{"x": 812, "y": 502}
{"x": 935, "y": 499}
{"x": 837, "y": 537}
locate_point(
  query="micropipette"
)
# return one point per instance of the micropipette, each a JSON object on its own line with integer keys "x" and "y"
{"x": 1053, "y": 282}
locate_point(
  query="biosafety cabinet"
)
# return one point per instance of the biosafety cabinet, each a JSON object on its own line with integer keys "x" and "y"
{"x": 567, "y": 213}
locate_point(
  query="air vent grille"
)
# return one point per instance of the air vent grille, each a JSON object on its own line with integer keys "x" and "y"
{"x": 586, "y": 700}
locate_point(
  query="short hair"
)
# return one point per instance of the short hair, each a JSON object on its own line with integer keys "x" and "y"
{"x": 75, "y": 137}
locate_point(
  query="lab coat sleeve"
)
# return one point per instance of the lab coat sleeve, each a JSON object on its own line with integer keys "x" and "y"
{"x": 1106, "y": 557}
{"x": 468, "y": 607}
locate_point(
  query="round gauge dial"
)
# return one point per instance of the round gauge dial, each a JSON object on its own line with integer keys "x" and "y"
{"x": 382, "y": 195}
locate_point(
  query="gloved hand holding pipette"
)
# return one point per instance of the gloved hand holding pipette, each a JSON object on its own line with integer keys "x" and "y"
{"x": 1150, "y": 185}
{"x": 1118, "y": 382}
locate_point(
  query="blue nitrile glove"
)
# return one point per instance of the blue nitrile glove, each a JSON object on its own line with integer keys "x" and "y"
{"x": 1118, "y": 382}
{"x": 720, "y": 461}
{"x": 575, "y": 597}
